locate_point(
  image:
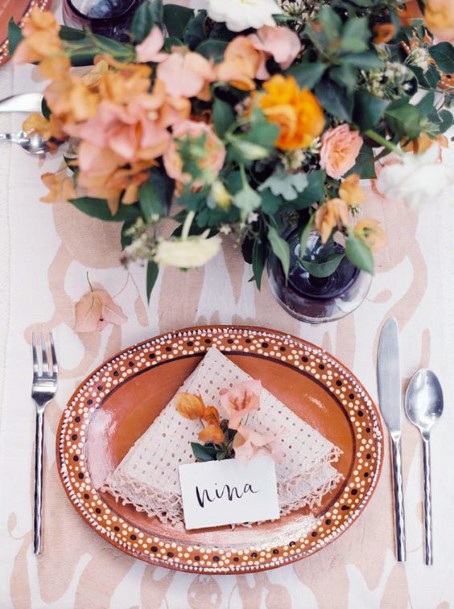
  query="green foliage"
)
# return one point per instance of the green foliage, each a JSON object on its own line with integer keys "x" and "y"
{"x": 403, "y": 119}
{"x": 260, "y": 251}
{"x": 280, "y": 248}
{"x": 149, "y": 14}
{"x": 155, "y": 196}
{"x": 285, "y": 185}
{"x": 152, "y": 275}
{"x": 14, "y": 36}
{"x": 314, "y": 191}
{"x": 306, "y": 74}
{"x": 335, "y": 99}
{"x": 195, "y": 32}
{"x": 359, "y": 254}
{"x": 365, "y": 163}
{"x": 176, "y": 19}
{"x": 443, "y": 55}
{"x": 322, "y": 269}
{"x": 203, "y": 453}
{"x": 368, "y": 110}
{"x": 98, "y": 208}
{"x": 212, "y": 49}
{"x": 223, "y": 116}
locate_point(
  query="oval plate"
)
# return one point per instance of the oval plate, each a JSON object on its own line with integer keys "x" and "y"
{"x": 17, "y": 10}
{"x": 115, "y": 405}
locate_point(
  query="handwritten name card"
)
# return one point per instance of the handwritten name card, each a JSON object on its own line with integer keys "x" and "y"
{"x": 228, "y": 492}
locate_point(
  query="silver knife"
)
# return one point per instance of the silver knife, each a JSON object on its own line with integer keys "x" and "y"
{"x": 390, "y": 400}
{"x": 25, "y": 102}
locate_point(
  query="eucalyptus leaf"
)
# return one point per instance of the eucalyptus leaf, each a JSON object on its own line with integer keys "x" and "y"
{"x": 247, "y": 200}
{"x": 306, "y": 74}
{"x": 152, "y": 275}
{"x": 404, "y": 119}
{"x": 149, "y": 14}
{"x": 195, "y": 30}
{"x": 359, "y": 254}
{"x": 322, "y": 269}
{"x": 369, "y": 60}
{"x": 259, "y": 256}
{"x": 285, "y": 185}
{"x": 365, "y": 164}
{"x": 176, "y": 19}
{"x": 355, "y": 35}
{"x": 314, "y": 191}
{"x": 443, "y": 55}
{"x": 212, "y": 49}
{"x": 335, "y": 99}
{"x": 280, "y": 248}
{"x": 368, "y": 110}
{"x": 203, "y": 453}
{"x": 223, "y": 116}
{"x": 98, "y": 208}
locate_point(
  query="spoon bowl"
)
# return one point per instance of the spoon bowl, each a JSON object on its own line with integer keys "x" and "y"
{"x": 424, "y": 400}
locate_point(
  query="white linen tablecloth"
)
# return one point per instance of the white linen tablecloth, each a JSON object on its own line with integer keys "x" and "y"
{"x": 45, "y": 252}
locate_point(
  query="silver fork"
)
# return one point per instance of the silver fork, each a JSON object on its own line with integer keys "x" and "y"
{"x": 44, "y": 387}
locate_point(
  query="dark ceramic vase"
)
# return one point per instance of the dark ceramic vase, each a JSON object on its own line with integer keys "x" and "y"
{"x": 317, "y": 299}
{"x": 111, "y": 18}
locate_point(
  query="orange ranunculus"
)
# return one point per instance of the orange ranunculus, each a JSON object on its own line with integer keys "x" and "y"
{"x": 240, "y": 64}
{"x": 40, "y": 32}
{"x": 190, "y": 406}
{"x": 211, "y": 415}
{"x": 61, "y": 187}
{"x": 439, "y": 18}
{"x": 332, "y": 214}
{"x": 351, "y": 192}
{"x": 384, "y": 32}
{"x": 369, "y": 231}
{"x": 296, "y": 111}
{"x": 212, "y": 433}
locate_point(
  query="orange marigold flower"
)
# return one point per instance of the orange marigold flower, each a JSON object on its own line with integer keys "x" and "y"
{"x": 384, "y": 32}
{"x": 61, "y": 187}
{"x": 295, "y": 111}
{"x": 332, "y": 214}
{"x": 190, "y": 406}
{"x": 212, "y": 433}
{"x": 40, "y": 37}
{"x": 351, "y": 192}
{"x": 370, "y": 231}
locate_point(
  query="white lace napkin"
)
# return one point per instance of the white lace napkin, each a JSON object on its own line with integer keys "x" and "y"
{"x": 148, "y": 478}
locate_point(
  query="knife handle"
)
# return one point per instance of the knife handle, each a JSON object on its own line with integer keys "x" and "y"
{"x": 398, "y": 499}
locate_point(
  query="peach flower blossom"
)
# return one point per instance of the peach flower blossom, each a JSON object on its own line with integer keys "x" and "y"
{"x": 241, "y": 399}
{"x": 61, "y": 187}
{"x": 186, "y": 74}
{"x": 212, "y": 433}
{"x": 439, "y": 18}
{"x": 340, "y": 148}
{"x": 211, "y": 164}
{"x": 281, "y": 43}
{"x": 332, "y": 214}
{"x": 190, "y": 406}
{"x": 351, "y": 192}
{"x": 40, "y": 37}
{"x": 249, "y": 444}
{"x": 370, "y": 231}
{"x": 95, "y": 310}
{"x": 240, "y": 65}
{"x": 149, "y": 49}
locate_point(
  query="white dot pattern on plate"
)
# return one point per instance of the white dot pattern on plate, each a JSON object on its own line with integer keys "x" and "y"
{"x": 307, "y": 358}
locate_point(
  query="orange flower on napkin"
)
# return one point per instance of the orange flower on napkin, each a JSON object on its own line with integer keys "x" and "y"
{"x": 190, "y": 406}
{"x": 95, "y": 310}
{"x": 240, "y": 400}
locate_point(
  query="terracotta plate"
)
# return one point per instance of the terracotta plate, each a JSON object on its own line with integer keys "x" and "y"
{"x": 17, "y": 9}
{"x": 116, "y": 404}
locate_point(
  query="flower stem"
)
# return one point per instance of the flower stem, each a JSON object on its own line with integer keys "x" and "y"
{"x": 383, "y": 141}
{"x": 187, "y": 225}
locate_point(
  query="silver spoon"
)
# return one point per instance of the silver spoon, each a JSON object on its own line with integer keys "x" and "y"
{"x": 424, "y": 406}
{"x": 33, "y": 143}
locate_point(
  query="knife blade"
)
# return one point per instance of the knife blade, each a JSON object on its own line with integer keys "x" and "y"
{"x": 390, "y": 401}
{"x": 25, "y": 102}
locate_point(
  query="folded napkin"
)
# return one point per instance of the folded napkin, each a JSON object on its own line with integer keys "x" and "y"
{"x": 148, "y": 476}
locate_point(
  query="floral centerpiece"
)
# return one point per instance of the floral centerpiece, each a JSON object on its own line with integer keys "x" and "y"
{"x": 244, "y": 119}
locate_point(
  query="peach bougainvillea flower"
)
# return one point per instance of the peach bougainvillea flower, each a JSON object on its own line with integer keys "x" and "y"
{"x": 351, "y": 192}
{"x": 41, "y": 40}
{"x": 240, "y": 64}
{"x": 340, "y": 148}
{"x": 61, "y": 187}
{"x": 150, "y": 48}
{"x": 332, "y": 214}
{"x": 95, "y": 310}
{"x": 211, "y": 163}
{"x": 295, "y": 111}
{"x": 190, "y": 406}
{"x": 241, "y": 399}
{"x": 249, "y": 444}
{"x": 280, "y": 43}
{"x": 370, "y": 231}
{"x": 186, "y": 74}
{"x": 439, "y": 18}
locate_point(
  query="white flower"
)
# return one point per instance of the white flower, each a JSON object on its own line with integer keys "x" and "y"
{"x": 187, "y": 253}
{"x": 416, "y": 179}
{"x": 252, "y": 217}
{"x": 240, "y": 15}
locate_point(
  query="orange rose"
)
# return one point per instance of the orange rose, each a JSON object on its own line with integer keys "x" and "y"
{"x": 332, "y": 214}
{"x": 340, "y": 148}
{"x": 295, "y": 111}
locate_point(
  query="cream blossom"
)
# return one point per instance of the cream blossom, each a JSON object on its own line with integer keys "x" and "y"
{"x": 415, "y": 179}
{"x": 240, "y": 15}
{"x": 187, "y": 253}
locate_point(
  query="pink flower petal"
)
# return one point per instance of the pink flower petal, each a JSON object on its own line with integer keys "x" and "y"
{"x": 88, "y": 313}
{"x": 148, "y": 49}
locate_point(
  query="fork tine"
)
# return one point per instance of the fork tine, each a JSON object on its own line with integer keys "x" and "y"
{"x": 44, "y": 354}
{"x": 54, "y": 356}
{"x": 35, "y": 355}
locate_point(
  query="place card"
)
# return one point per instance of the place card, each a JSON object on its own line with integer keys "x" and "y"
{"x": 216, "y": 493}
